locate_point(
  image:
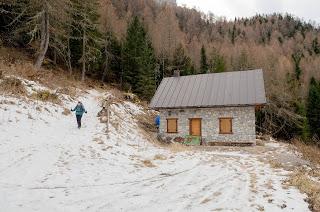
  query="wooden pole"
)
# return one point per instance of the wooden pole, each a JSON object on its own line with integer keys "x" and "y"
{"x": 108, "y": 118}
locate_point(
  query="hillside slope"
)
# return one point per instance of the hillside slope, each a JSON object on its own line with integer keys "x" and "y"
{"x": 47, "y": 164}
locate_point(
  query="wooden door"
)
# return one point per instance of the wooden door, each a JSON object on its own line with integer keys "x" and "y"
{"x": 195, "y": 127}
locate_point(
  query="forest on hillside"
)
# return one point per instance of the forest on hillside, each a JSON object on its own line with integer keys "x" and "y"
{"x": 138, "y": 42}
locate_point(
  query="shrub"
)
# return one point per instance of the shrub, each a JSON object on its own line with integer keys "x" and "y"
{"x": 11, "y": 85}
{"x": 179, "y": 139}
{"x": 47, "y": 96}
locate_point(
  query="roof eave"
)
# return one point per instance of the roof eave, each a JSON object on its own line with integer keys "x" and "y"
{"x": 207, "y": 106}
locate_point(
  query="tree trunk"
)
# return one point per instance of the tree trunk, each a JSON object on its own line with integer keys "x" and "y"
{"x": 54, "y": 56}
{"x": 69, "y": 57}
{"x": 83, "y": 56}
{"x": 105, "y": 70}
{"x": 45, "y": 37}
{"x": 163, "y": 68}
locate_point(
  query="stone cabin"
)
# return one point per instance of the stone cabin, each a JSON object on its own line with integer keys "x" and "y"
{"x": 217, "y": 107}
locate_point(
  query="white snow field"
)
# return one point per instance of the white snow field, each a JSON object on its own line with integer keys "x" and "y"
{"x": 47, "y": 164}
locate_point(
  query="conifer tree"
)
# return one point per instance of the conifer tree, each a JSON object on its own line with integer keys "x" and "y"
{"x": 301, "y": 128}
{"x": 182, "y": 62}
{"x": 203, "y": 61}
{"x": 313, "y": 108}
{"x": 233, "y": 34}
{"x": 316, "y": 46}
{"x": 139, "y": 60}
{"x": 297, "y": 56}
{"x": 217, "y": 63}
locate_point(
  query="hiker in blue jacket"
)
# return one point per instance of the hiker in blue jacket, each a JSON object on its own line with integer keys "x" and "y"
{"x": 80, "y": 110}
{"x": 157, "y": 122}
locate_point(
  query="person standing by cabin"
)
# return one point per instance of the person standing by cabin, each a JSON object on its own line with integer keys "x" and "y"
{"x": 157, "y": 122}
{"x": 80, "y": 110}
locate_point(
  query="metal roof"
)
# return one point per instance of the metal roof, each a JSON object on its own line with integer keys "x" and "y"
{"x": 211, "y": 90}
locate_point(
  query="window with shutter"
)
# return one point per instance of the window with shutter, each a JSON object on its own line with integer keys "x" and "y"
{"x": 172, "y": 125}
{"x": 225, "y": 125}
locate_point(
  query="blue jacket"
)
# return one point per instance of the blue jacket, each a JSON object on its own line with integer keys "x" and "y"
{"x": 80, "y": 110}
{"x": 157, "y": 120}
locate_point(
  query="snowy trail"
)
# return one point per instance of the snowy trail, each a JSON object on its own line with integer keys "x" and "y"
{"x": 47, "y": 164}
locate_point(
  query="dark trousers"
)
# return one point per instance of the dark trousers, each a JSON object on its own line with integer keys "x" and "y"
{"x": 79, "y": 120}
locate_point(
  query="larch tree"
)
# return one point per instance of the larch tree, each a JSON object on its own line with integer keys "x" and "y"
{"x": 39, "y": 19}
{"x": 86, "y": 38}
{"x": 165, "y": 34}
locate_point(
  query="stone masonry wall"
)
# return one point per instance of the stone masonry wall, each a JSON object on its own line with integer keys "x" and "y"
{"x": 243, "y": 123}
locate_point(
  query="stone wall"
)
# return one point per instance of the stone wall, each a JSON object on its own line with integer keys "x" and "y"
{"x": 243, "y": 123}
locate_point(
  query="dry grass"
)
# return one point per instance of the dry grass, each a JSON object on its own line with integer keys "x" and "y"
{"x": 275, "y": 164}
{"x": 66, "y": 112}
{"x": 176, "y": 147}
{"x": 148, "y": 163}
{"x": 12, "y": 85}
{"x": 310, "y": 152}
{"x": 159, "y": 157}
{"x": 70, "y": 91}
{"x": 7, "y": 102}
{"x": 253, "y": 183}
{"x": 14, "y": 62}
{"x": 98, "y": 140}
{"x": 302, "y": 181}
{"x": 46, "y": 96}
{"x": 260, "y": 142}
{"x": 146, "y": 122}
{"x": 206, "y": 200}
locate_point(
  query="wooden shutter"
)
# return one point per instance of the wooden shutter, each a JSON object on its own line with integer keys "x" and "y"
{"x": 172, "y": 125}
{"x": 225, "y": 125}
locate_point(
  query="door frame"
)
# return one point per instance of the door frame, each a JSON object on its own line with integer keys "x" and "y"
{"x": 190, "y": 125}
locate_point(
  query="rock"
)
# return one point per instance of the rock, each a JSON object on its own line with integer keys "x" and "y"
{"x": 103, "y": 119}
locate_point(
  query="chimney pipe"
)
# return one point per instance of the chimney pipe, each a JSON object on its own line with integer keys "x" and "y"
{"x": 176, "y": 73}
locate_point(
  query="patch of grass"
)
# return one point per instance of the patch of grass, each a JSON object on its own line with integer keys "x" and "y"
{"x": 146, "y": 122}
{"x": 47, "y": 96}
{"x": 160, "y": 157}
{"x": 310, "y": 152}
{"x": 98, "y": 140}
{"x": 66, "y": 112}
{"x": 206, "y": 200}
{"x": 260, "y": 142}
{"x": 302, "y": 181}
{"x": 6, "y": 102}
{"x": 176, "y": 147}
{"x": 12, "y": 85}
{"x": 275, "y": 164}
{"x": 67, "y": 91}
{"x": 253, "y": 183}
{"x": 148, "y": 163}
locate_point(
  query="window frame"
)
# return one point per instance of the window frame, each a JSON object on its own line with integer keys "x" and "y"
{"x": 231, "y": 121}
{"x": 172, "y": 119}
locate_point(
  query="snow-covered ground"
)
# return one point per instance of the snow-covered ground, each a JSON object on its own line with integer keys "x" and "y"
{"x": 47, "y": 164}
